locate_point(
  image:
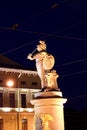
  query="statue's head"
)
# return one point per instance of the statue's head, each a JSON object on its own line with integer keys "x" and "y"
{"x": 42, "y": 45}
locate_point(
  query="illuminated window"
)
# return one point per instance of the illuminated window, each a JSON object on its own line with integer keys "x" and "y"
{"x": 24, "y": 124}
{"x": 23, "y": 100}
{"x": 12, "y": 99}
{"x": 1, "y": 124}
{"x": 1, "y": 99}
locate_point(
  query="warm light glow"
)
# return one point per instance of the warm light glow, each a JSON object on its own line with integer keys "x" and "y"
{"x": 19, "y": 109}
{"x": 6, "y": 109}
{"x": 10, "y": 83}
{"x": 30, "y": 109}
{"x": 24, "y": 109}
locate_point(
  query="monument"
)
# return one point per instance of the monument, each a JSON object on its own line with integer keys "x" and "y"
{"x": 48, "y": 103}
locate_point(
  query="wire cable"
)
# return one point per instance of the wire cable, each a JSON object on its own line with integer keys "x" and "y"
{"x": 17, "y": 48}
{"x": 72, "y": 74}
{"x": 45, "y": 34}
{"x": 73, "y": 62}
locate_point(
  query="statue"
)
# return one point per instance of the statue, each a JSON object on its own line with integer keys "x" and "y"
{"x": 42, "y": 121}
{"x": 44, "y": 63}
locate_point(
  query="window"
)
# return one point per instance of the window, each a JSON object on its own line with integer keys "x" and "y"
{"x": 23, "y": 100}
{"x": 34, "y": 83}
{"x": 24, "y": 124}
{"x": 1, "y": 124}
{"x": 12, "y": 99}
{"x": 0, "y": 81}
{"x": 1, "y": 99}
{"x": 23, "y": 82}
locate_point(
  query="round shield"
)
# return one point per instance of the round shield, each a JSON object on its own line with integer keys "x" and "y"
{"x": 48, "y": 62}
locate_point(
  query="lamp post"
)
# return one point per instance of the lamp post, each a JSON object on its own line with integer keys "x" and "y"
{"x": 18, "y": 97}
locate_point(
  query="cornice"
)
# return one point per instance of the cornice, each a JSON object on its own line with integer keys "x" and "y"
{"x": 20, "y": 71}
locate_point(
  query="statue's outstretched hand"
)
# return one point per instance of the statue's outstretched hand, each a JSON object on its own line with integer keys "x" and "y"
{"x": 30, "y": 56}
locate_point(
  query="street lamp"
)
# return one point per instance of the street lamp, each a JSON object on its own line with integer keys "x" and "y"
{"x": 10, "y": 83}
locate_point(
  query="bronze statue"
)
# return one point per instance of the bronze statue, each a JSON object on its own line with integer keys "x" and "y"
{"x": 44, "y": 64}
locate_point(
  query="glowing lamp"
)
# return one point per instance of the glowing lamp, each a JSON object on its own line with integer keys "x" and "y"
{"x": 10, "y": 83}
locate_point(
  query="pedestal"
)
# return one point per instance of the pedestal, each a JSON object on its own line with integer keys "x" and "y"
{"x": 49, "y": 113}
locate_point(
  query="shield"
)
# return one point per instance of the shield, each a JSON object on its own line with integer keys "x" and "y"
{"x": 48, "y": 62}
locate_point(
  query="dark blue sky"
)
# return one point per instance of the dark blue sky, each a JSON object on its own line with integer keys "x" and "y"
{"x": 63, "y": 25}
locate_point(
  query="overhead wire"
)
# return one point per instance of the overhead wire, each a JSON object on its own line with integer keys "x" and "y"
{"x": 72, "y": 74}
{"x": 73, "y": 62}
{"x": 17, "y": 48}
{"x": 14, "y": 28}
{"x": 70, "y": 63}
{"x": 46, "y": 34}
{"x": 52, "y": 7}
{"x": 72, "y": 25}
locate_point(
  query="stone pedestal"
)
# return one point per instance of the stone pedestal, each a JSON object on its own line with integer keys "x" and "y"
{"x": 49, "y": 114}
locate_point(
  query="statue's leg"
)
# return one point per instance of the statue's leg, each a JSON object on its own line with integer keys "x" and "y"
{"x": 41, "y": 74}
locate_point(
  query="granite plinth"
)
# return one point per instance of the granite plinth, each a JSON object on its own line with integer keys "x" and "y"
{"x": 48, "y": 94}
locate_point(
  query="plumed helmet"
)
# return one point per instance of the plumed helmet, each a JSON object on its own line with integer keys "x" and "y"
{"x": 43, "y": 44}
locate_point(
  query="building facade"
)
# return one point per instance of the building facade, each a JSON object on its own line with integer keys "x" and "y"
{"x": 17, "y": 87}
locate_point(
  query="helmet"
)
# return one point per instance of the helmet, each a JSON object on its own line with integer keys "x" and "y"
{"x": 43, "y": 45}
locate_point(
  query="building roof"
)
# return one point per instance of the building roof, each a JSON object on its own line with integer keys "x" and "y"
{"x": 8, "y": 65}
{"x": 6, "y": 62}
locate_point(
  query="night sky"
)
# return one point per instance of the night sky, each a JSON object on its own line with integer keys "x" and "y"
{"x": 63, "y": 26}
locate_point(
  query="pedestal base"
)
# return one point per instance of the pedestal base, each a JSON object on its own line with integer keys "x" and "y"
{"x": 48, "y": 94}
{"x": 48, "y": 107}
